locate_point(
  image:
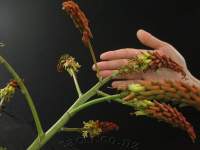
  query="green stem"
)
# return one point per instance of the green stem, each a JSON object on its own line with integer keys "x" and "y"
{"x": 26, "y": 94}
{"x": 92, "y": 91}
{"x": 95, "y": 101}
{"x": 76, "y": 83}
{"x": 118, "y": 100}
{"x": 37, "y": 144}
{"x": 94, "y": 58}
{"x": 101, "y": 93}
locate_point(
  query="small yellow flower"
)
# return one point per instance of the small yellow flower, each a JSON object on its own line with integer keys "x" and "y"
{"x": 68, "y": 63}
{"x": 91, "y": 129}
{"x": 95, "y": 128}
{"x": 7, "y": 92}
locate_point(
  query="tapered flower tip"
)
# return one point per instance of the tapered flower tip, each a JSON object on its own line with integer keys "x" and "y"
{"x": 95, "y": 128}
{"x": 67, "y": 63}
{"x": 80, "y": 20}
{"x": 163, "y": 112}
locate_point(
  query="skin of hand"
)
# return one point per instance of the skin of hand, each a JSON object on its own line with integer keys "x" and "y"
{"x": 113, "y": 60}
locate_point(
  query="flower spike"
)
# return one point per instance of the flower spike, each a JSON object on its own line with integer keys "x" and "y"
{"x": 151, "y": 60}
{"x": 80, "y": 20}
{"x": 177, "y": 92}
{"x": 7, "y": 92}
{"x": 95, "y": 128}
{"x": 163, "y": 112}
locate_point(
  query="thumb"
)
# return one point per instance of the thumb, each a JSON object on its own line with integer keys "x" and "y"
{"x": 149, "y": 40}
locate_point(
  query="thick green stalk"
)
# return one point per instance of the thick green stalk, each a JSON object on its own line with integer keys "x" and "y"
{"x": 26, "y": 94}
{"x": 76, "y": 83}
{"x": 37, "y": 144}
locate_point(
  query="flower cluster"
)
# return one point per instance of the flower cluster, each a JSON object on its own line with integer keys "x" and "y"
{"x": 7, "y": 92}
{"x": 163, "y": 112}
{"x": 80, "y": 20}
{"x": 67, "y": 63}
{"x": 95, "y": 128}
{"x": 177, "y": 92}
{"x": 150, "y": 60}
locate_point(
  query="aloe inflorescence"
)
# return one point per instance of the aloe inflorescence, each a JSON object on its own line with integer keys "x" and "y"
{"x": 163, "y": 112}
{"x": 177, "y": 92}
{"x": 80, "y": 20}
{"x": 150, "y": 60}
{"x": 154, "y": 99}
{"x": 95, "y": 128}
{"x": 7, "y": 92}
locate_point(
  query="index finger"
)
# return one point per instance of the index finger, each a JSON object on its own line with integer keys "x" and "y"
{"x": 125, "y": 53}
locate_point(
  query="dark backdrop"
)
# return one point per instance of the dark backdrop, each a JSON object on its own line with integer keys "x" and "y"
{"x": 37, "y": 32}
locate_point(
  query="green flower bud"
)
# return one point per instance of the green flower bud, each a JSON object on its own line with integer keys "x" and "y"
{"x": 136, "y": 88}
{"x": 139, "y": 113}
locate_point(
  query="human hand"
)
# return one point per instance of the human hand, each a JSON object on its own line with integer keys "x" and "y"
{"x": 113, "y": 60}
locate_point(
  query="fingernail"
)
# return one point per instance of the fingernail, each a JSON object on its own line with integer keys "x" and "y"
{"x": 102, "y": 56}
{"x": 93, "y": 67}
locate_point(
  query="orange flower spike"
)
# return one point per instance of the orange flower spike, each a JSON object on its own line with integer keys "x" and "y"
{"x": 163, "y": 112}
{"x": 80, "y": 20}
{"x": 175, "y": 91}
{"x": 172, "y": 116}
{"x": 151, "y": 60}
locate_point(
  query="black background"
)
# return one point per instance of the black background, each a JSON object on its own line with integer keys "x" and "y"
{"x": 37, "y": 32}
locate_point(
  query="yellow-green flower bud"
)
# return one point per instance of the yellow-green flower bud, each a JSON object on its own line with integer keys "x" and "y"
{"x": 136, "y": 88}
{"x": 7, "y": 92}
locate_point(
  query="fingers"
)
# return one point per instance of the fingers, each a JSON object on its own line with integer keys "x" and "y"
{"x": 111, "y": 65}
{"x": 125, "y": 53}
{"x": 149, "y": 40}
{"x": 125, "y": 83}
{"x": 106, "y": 73}
{"x": 135, "y": 76}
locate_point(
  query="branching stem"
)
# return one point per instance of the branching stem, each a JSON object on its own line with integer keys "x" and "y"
{"x": 26, "y": 94}
{"x": 76, "y": 83}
